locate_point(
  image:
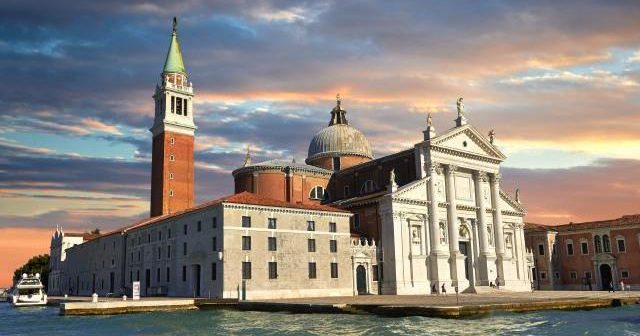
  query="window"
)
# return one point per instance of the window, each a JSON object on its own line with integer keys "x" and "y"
{"x": 273, "y": 270}
{"x": 184, "y": 248}
{"x": 159, "y": 235}
{"x": 138, "y": 255}
{"x": 356, "y": 221}
{"x": 171, "y": 192}
{"x": 179, "y": 105}
{"x": 606, "y": 243}
{"x": 246, "y": 270}
{"x": 374, "y": 271}
{"x": 148, "y": 238}
{"x": 271, "y": 224}
{"x": 346, "y": 191}
{"x": 624, "y": 274}
{"x": 368, "y": 186}
{"x": 334, "y": 270}
{"x": 569, "y": 248}
{"x": 585, "y": 247}
{"x": 169, "y": 251}
{"x": 556, "y": 275}
{"x": 587, "y": 275}
{"x": 311, "y": 226}
{"x": 540, "y": 249}
{"x": 597, "y": 244}
{"x": 184, "y": 228}
{"x": 311, "y": 245}
{"x": 543, "y": 275}
{"x": 317, "y": 193}
{"x": 168, "y": 274}
{"x": 184, "y": 273}
{"x": 312, "y": 270}
{"x": 199, "y": 226}
{"x": 169, "y": 233}
{"x": 333, "y": 246}
{"x": 332, "y": 227}
{"x": 214, "y": 244}
{"x": 573, "y": 275}
{"x": 246, "y": 243}
{"x": 214, "y": 222}
{"x": 173, "y": 104}
{"x": 336, "y": 163}
{"x": 271, "y": 242}
{"x": 158, "y": 275}
{"x": 171, "y": 176}
{"x": 172, "y": 157}
{"x": 159, "y": 252}
{"x": 621, "y": 247}
{"x": 185, "y": 107}
{"x": 172, "y": 141}
{"x": 246, "y": 221}
{"x": 214, "y": 271}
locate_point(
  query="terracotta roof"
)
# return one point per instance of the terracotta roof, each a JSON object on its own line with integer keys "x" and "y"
{"x": 622, "y": 221}
{"x": 533, "y": 227}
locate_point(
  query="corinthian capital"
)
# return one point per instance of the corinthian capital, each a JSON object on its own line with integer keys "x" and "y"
{"x": 448, "y": 169}
{"x": 479, "y": 176}
{"x": 435, "y": 168}
{"x": 496, "y": 177}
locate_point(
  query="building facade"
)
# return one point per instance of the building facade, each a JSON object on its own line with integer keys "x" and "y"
{"x": 586, "y": 256}
{"x": 60, "y": 242}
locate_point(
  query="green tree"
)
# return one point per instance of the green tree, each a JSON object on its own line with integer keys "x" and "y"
{"x": 37, "y": 264}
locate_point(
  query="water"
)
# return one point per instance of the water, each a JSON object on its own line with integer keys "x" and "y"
{"x": 46, "y": 321}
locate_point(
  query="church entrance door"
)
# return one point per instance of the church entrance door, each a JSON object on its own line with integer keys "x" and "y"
{"x": 361, "y": 279}
{"x": 605, "y": 276}
{"x": 464, "y": 249}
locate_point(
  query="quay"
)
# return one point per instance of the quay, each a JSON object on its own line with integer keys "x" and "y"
{"x": 441, "y": 306}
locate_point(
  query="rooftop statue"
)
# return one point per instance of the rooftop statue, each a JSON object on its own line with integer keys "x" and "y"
{"x": 460, "y": 106}
{"x": 492, "y": 135}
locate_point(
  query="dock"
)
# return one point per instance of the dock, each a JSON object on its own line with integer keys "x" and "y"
{"x": 439, "y": 306}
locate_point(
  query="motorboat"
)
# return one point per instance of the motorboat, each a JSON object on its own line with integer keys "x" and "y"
{"x": 29, "y": 291}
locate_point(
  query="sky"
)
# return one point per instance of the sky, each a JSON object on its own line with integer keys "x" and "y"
{"x": 558, "y": 81}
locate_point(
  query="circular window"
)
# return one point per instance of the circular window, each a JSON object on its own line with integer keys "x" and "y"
{"x": 464, "y": 143}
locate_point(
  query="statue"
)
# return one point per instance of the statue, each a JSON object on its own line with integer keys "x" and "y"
{"x": 247, "y": 157}
{"x": 518, "y": 195}
{"x": 492, "y": 135}
{"x": 392, "y": 178}
{"x": 460, "y": 106}
{"x": 429, "y": 120}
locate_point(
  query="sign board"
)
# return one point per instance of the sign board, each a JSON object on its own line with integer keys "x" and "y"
{"x": 136, "y": 290}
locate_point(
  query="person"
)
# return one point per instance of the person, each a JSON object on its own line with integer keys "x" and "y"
{"x": 590, "y": 288}
{"x": 433, "y": 289}
{"x": 444, "y": 290}
{"x": 497, "y": 282}
{"x": 621, "y": 285}
{"x": 611, "y": 288}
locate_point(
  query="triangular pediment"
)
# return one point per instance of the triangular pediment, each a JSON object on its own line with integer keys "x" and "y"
{"x": 508, "y": 204}
{"x": 467, "y": 139}
{"x": 416, "y": 190}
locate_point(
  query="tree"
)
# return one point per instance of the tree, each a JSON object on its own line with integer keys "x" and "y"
{"x": 37, "y": 264}
{"x": 95, "y": 231}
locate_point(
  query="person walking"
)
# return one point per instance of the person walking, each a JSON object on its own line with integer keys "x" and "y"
{"x": 444, "y": 290}
{"x": 611, "y": 288}
{"x": 622, "y": 285}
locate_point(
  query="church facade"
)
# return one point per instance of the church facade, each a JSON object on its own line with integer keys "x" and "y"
{"x": 429, "y": 218}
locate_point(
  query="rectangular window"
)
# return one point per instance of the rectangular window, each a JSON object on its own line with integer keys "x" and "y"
{"x": 184, "y": 248}
{"x": 158, "y": 275}
{"x": 184, "y": 273}
{"x": 199, "y": 226}
{"x": 214, "y": 271}
{"x": 332, "y": 227}
{"x": 346, "y": 191}
{"x": 173, "y": 104}
{"x": 159, "y": 252}
{"x": 246, "y": 243}
{"x": 271, "y": 224}
{"x": 374, "y": 271}
{"x": 587, "y": 275}
{"x": 556, "y": 275}
{"x": 312, "y": 270}
{"x": 168, "y": 274}
{"x": 621, "y": 247}
{"x": 311, "y": 226}
{"x": 585, "y": 247}
{"x": 569, "y": 248}
{"x": 333, "y": 246}
{"x": 184, "y": 228}
{"x": 543, "y": 275}
{"x": 185, "y": 107}
{"x": 159, "y": 235}
{"x": 356, "y": 221}
{"x": 169, "y": 251}
{"x": 214, "y": 222}
{"x": 246, "y": 221}
{"x": 624, "y": 274}
{"x": 169, "y": 233}
{"x": 334, "y": 270}
{"x": 311, "y": 245}
{"x": 336, "y": 163}
{"x": 214, "y": 244}
{"x": 271, "y": 242}
{"x": 273, "y": 270}
{"x": 540, "y": 249}
{"x": 179, "y": 105}
{"x": 573, "y": 275}
{"x": 246, "y": 270}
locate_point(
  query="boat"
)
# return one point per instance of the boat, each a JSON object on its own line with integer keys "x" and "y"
{"x": 29, "y": 291}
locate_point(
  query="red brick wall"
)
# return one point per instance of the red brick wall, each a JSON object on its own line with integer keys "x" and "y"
{"x": 182, "y": 169}
{"x": 369, "y": 221}
{"x": 577, "y": 262}
{"x": 629, "y": 259}
{"x": 346, "y": 161}
{"x": 275, "y": 184}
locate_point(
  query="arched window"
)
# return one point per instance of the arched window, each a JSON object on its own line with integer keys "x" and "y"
{"x": 597, "y": 244}
{"x": 368, "y": 186}
{"x": 606, "y": 243}
{"x": 317, "y": 193}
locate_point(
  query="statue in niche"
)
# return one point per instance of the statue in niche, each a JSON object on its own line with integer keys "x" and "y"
{"x": 415, "y": 235}
{"x": 443, "y": 233}
{"x": 490, "y": 235}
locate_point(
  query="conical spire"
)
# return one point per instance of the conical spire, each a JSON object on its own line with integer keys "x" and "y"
{"x": 174, "y": 63}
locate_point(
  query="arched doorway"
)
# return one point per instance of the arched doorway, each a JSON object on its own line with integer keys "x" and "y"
{"x": 605, "y": 276}
{"x": 361, "y": 279}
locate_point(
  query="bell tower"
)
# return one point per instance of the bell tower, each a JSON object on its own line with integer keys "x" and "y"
{"x": 173, "y": 136}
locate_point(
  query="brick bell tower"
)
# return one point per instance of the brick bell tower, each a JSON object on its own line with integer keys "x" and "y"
{"x": 173, "y": 134}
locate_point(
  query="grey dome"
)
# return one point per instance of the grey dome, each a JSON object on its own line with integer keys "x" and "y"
{"x": 340, "y": 139}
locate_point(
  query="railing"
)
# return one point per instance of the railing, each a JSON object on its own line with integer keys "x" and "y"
{"x": 186, "y": 88}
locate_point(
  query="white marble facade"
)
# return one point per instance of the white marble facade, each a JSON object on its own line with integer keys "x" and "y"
{"x": 453, "y": 226}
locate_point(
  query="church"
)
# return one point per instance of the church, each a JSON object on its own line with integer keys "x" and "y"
{"x": 428, "y": 218}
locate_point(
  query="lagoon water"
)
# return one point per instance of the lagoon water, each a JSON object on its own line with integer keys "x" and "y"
{"x": 46, "y": 321}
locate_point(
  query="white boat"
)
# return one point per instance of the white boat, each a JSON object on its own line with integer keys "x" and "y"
{"x": 29, "y": 291}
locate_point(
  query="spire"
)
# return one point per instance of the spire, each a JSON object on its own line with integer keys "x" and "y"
{"x": 430, "y": 132}
{"x": 462, "y": 119}
{"x": 247, "y": 157}
{"x": 174, "y": 62}
{"x": 338, "y": 115}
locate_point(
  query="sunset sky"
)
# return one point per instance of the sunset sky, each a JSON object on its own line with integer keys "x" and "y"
{"x": 558, "y": 81}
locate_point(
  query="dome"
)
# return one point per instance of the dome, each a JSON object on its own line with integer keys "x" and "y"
{"x": 339, "y": 139}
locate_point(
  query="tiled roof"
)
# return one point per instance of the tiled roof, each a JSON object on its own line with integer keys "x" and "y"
{"x": 622, "y": 221}
{"x": 532, "y": 227}
{"x": 281, "y": 164}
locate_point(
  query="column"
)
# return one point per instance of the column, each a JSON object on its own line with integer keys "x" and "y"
{"x": 497, "y": 224}
{"x": 434, "y": 230}
{"x": 478, "y": 179}
{"x": 452, "y": 218}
